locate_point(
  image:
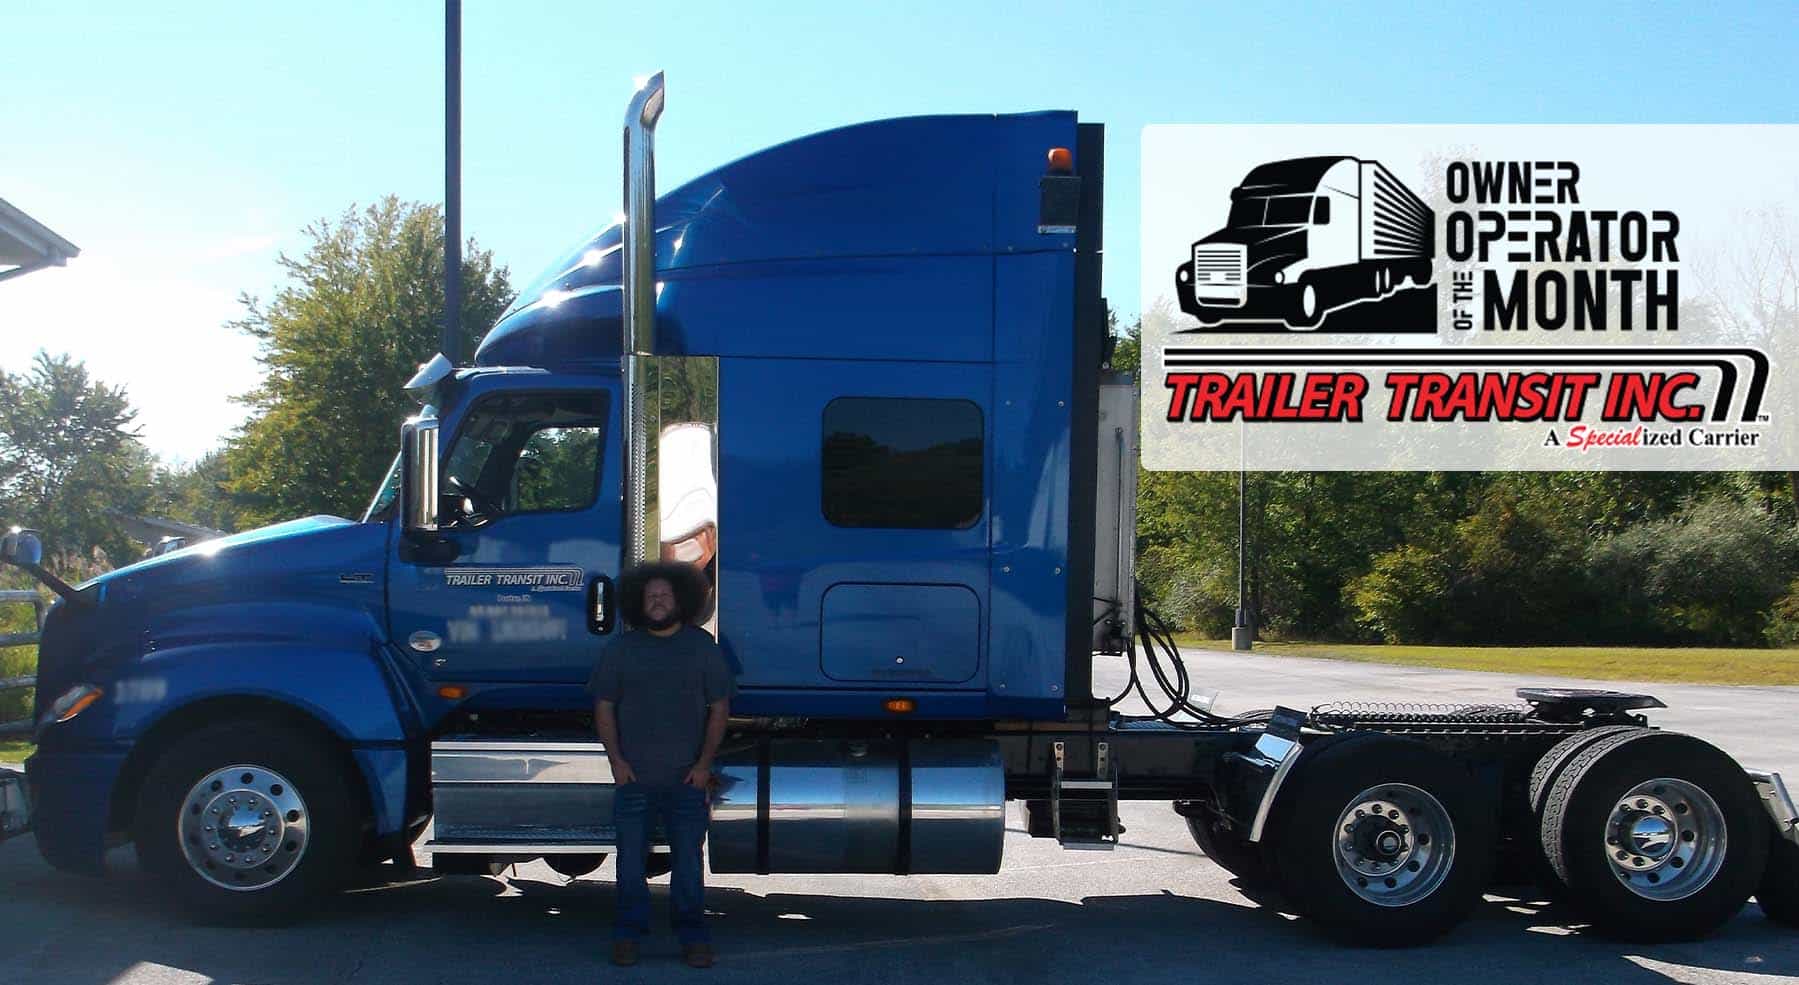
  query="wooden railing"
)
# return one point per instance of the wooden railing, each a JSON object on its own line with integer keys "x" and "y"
{"x": 17, "y": 597}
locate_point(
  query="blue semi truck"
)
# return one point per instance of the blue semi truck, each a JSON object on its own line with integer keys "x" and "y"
{"x": 860, "y": 381}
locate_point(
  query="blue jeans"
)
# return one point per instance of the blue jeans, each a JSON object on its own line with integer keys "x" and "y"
{"x": 682, "y": 810}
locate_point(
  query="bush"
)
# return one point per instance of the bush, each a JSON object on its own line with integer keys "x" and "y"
{"x": 1783, "y": 618}
{"x": 1710, "y": 574}
{"x": 1406, "y": 596}
{"x": 1192, "y": 594}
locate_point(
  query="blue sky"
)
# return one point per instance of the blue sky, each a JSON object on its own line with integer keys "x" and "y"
{"x": 183, "y": 146}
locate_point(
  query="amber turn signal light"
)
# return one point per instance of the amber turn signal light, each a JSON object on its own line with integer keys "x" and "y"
{"x": 900, "y": 706}
{"x": 452, "y": 692}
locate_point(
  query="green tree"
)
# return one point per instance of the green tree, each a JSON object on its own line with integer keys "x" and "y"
{"x": 197, "y": 493}
{"x": 361, "y": 310}
{"x": 70, "y": 459}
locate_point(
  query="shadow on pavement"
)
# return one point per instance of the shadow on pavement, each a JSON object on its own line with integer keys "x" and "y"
{"x": 526, "y": 929}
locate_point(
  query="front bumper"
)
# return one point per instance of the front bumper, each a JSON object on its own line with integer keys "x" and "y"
{"x": 71, "y": 800}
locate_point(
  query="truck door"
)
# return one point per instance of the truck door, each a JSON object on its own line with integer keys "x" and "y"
{"x": 528, "y": 540}
{"x": 854, "y": 525}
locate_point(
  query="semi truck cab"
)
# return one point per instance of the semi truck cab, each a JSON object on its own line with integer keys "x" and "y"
{"x": 859, "y": 381}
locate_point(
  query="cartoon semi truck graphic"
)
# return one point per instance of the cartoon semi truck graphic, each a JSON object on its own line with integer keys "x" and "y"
{"x": 1307, "y": 236}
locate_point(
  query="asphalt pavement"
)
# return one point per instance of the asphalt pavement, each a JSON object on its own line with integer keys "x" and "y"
{"x": 1154, "y": 910}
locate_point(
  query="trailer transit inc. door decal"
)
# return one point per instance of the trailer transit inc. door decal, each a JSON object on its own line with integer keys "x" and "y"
{"x": 1469, "y": 297}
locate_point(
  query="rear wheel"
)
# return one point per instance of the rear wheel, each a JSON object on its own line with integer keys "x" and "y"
{"x": 1548, "y": 769}
{"x": 1382, "y": 841}
{"x": 1655, "y": 835}
{"x": 1778, "y": 893}
{"x": 1233, "y": 853}
{"x": 247, "y": 822}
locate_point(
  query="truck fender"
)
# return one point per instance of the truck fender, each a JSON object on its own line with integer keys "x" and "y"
{"x": 350, "y": 699}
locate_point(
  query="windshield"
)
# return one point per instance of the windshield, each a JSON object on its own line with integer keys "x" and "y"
{"x": 1247, "y": 212}
{"x": 384, "y": 495}
{"x": 1278, "y": 210}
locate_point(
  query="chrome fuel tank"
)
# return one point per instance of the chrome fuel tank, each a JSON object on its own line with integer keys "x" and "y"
{"x": 860, "y": 806}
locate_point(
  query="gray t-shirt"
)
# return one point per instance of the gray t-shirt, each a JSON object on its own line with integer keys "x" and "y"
{"x": 661, "y": 686}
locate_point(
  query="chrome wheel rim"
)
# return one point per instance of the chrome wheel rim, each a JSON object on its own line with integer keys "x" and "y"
{"x": 243, "y": 827}
{"x": 1394, "y": 844}
{"x": 1665, "y": 839}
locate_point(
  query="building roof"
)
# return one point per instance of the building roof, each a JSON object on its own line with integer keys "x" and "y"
{"x": 27, "y": 244}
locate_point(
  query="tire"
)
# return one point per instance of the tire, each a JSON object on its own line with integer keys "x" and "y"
{"x": 575, "y": 866}
{"x": 307, "y": 835}
{"x": 1307, "y": 309}
{"x": 1778, "y": 893}
{"x": 1548, "y": 769}
{"x": 1230, "y": 850}
{"x": 1683, "y": 815}
{"x": 1388, "y": 885}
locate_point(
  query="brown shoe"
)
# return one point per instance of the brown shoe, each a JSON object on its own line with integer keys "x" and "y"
{"x": 624, "y": 953}
{"x": 697, "y": 955}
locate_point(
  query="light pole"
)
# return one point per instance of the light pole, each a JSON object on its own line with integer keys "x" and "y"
{"x": 1242, "y": 633}
{"x": 451, "y": 341}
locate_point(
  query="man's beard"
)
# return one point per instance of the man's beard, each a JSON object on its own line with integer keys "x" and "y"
{"x": 651, "y": 622}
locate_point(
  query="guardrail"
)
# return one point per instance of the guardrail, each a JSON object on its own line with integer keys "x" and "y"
{"x": 21, "y": 597}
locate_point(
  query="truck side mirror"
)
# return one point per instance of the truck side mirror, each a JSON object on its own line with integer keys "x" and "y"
{"x": 1321, "y": 211}
{"x": 418, "y": 474}
{"x": 21, "y": 548}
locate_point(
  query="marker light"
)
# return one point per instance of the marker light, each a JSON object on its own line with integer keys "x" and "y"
{"x": 900, "y": 706}
{"x": 452, "y": 692}
{"x": 1061, "y": 161}
{"x": 73, "y": 702}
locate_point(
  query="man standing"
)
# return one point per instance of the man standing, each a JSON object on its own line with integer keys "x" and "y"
{"x": 662, "y": 695}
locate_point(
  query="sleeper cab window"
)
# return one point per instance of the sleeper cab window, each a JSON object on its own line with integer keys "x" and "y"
{"x": 902, "y": 462}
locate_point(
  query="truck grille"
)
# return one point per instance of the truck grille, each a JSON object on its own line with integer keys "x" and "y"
{"x": 1218, "y": 264}
{"x": 1218, "y": 274}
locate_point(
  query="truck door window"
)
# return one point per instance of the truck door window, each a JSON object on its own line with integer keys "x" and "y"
{"x": 558, "y": 470}
{"x": 524, "y": 453}
{"x": 892, "y": 462}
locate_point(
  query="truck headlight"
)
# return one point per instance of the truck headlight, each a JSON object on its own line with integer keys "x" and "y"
{"x": 73, "y": 702}
{"x": 1280, "y": 276}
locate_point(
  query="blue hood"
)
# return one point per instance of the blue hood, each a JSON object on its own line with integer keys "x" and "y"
{"x": 231, "y": 545}
{"x": 265, "y": 594}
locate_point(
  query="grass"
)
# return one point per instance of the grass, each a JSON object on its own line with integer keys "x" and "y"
{"x": 1686, "y": 665}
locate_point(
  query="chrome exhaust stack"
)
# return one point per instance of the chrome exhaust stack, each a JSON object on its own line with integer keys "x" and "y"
{"x": 639, "y": 322}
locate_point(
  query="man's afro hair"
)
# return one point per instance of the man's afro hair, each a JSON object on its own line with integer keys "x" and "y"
{"x": 690, "y": 589}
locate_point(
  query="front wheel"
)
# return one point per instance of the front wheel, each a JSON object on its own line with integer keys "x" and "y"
{"x": 1382, "y": 841}
{"x": 247, "y": 823}
{"x": 1306, "y": 308}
